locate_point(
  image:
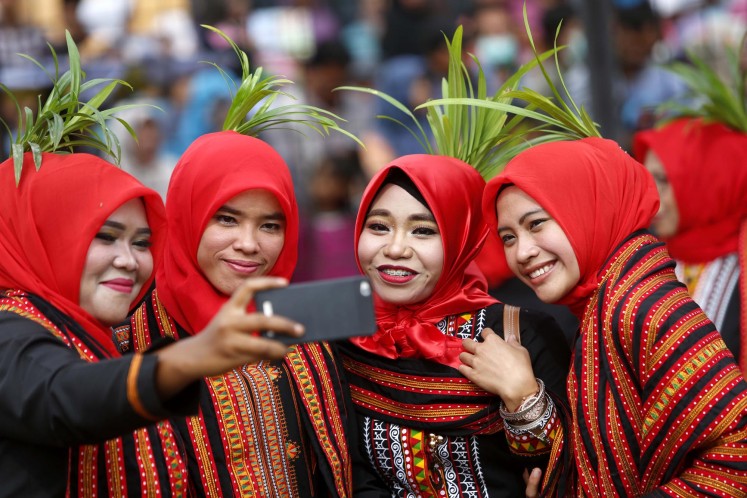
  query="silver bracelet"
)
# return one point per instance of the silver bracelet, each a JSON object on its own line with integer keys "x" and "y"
{"x": 531, "y": 408}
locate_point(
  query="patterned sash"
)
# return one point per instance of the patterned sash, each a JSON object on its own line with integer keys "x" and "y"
{"x": 421, "y": 393}
{"x": 655, "y": 396}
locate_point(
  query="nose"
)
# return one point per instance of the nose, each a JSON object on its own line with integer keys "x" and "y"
{"x": 125, "y": 258}
{"x": 526, "y": 249}
{"x": 246, "y": 241}
{"x": 397, "y": 247}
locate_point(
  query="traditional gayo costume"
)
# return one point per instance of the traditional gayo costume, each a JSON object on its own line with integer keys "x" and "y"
{"x": 706, "y": 166}
{"x": 426, "y": 429}
{"x": 659, "y": 405}
{"x": 60, "y": 417}
{"x": 274, "y": 429}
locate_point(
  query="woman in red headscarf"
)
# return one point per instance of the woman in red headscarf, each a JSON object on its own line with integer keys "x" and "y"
{"x": 427, "y": 430}
{"x": 659, "y": 407}
{"x": 78, "y": 243}
{"x": 700, "y": 170}
{"x": 267, "y": 429}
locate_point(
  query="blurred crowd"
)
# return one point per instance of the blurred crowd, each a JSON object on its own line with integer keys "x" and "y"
{"x": 396, "y": 46}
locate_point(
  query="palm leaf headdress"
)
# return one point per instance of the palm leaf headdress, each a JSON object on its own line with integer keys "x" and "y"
{"x": 486, "y": 131}
{"x": 718, "y": 94}
{"x": 252, "y": 109}
{"x": 64, "y": 122}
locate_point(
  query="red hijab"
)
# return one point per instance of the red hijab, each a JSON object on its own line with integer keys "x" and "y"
{"x": 597, "y": 193}
{"x": 706, "y": 165}
{"x": 452, "y": 190}
{"x": 214, "y": 169}
{"x": 48, "y": 221}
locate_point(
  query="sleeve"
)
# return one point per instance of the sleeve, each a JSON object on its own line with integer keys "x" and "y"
{"x": 49, "y": 395}
{"x": 694, "y": 401}
{"x": 548, "y": 349}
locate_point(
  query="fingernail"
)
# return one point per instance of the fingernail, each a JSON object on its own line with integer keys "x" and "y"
{"x": 298, "y": 328}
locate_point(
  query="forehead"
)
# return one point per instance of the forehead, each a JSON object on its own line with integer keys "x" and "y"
{"x": 254, "y": 199}
{"x": 397, "y": 201}
{"x": 131, "y": 212}
{"x": 512, "y": 202}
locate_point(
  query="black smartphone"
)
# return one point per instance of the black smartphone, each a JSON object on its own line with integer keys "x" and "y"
{"x": 332, "y": 309}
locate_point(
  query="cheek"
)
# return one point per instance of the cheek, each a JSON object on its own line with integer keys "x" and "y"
{"x": 272, "y": 245}
{"x": 365, "y": 250}
{"x": 145, "y": 265}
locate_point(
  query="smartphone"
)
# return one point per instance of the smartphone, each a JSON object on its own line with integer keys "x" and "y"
{"x": 332, "y": 309}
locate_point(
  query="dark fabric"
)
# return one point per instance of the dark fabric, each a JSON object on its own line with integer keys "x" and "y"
{"x": 311, "y": 466}
{"x": 500, "y": 468}
{"x": 40, "y": 384}
{"x": 659, "y": 403}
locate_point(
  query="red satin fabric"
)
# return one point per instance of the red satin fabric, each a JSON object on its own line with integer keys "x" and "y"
{"x": 706, "y": 164}
{"x": 47, "y": 224}
{"x": 214, "y": 169}
{"x": 452, "y": 190}
{"x": 596, "y": 192}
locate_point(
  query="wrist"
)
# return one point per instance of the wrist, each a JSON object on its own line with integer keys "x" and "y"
{"x": 512, "y": 403}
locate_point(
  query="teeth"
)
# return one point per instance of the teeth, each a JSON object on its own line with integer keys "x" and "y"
{"x": 397, "y": 273}
{"x": 540, "y": 271}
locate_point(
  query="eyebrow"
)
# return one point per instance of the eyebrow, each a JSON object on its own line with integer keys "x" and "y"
{"x": 524, "y": 217}
{"x": 414, "y": 217}
{"x": 277, "y": 215}
{"x": 119, "y": 226}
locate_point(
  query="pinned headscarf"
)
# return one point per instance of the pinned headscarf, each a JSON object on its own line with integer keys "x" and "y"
{"x": 706, "y": 166}
{"x": 595, "y": 191}
{"x": 451, "y": 189}
{"x": 215, "y": 168}
{"x": 53, "y": 204}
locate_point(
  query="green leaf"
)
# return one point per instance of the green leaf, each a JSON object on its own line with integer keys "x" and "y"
{"x": 17, "y": 154}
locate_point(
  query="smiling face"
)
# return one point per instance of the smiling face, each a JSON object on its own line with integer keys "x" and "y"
{"x": 117, "y": 265}
{"x": 243, "y": 239}
{"x": 400, "y": 247}
{"x": 667, "y": 219}
{"x": 537, "y": 249}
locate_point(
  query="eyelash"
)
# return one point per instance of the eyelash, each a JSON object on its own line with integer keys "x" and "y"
{"x": 418, "y": 230}
{"x": 109, "y": 239}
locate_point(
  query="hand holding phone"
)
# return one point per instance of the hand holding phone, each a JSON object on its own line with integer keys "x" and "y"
{"x": 328, "y": 309}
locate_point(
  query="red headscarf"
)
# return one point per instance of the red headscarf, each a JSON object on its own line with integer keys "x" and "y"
{"x": 597, "y": 193}
{"x": 214, "y": 169}
{"x": 47, "y": 224}
{"x": 706, "y": 165}
{"x": 452, "y": 190}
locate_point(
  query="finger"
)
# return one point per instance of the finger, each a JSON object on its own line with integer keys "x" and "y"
{"x": 533, "y": 483}
{"x": 512, "y": 340}
{"x": 254, "y": 349}
{"x": 242, "y": 296}
{"x": 280, "y": 324}
{"x": 489, "y": 334}
{"x": 469, "y": 345}
{"x": 467, "y": 359}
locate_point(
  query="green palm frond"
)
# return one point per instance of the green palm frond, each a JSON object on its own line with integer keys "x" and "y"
{"x": 485, "y": 137}
{"x": 63, "y": 122}
{"x": 718, "y": 96}
{"x": 556, "y": 117}
{"x": 252, "y": 112}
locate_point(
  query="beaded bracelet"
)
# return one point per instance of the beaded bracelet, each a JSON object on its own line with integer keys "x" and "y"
{"x": 530, "y": 408}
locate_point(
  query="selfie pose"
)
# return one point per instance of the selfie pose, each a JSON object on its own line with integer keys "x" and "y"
{"x": 426, "y": 429}
{"x": 659, "y": 405}
{"x": 79, "y": 239}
